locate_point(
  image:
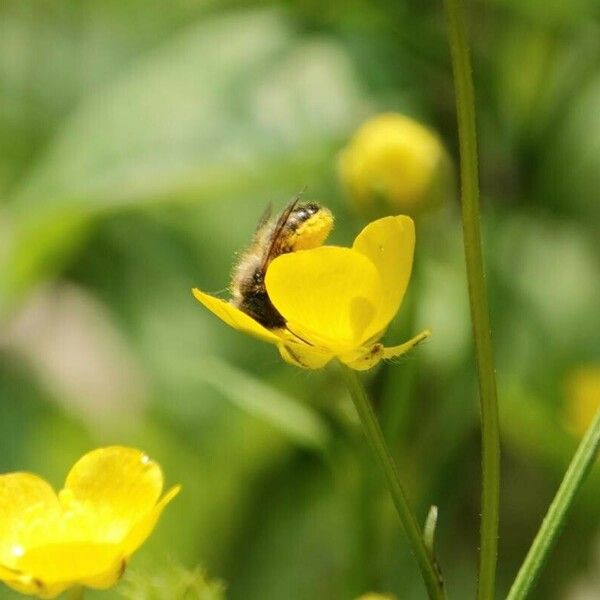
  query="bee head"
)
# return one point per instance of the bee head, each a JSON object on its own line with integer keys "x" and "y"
{"x": 312, "y": 224}
{"x": 304, "y": 211}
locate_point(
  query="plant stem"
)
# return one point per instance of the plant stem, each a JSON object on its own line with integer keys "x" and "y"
{"x": 432, "y": 578}
{"x": 465, "y": 108}
{"x": 557, "y": 513}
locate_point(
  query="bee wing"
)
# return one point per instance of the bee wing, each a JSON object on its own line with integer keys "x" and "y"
{"x": 261, "y": 231}
{"x": 265, "y": 217}
{"x": 281, "y": 222}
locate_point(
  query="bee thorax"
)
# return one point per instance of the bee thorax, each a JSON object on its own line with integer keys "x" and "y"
{"x": 300, "y": 226}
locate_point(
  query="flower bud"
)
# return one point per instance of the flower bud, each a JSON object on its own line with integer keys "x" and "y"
{"x": 394, "y": 165}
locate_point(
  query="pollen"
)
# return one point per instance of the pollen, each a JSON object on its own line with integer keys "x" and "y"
{"x": 314, "y": 231}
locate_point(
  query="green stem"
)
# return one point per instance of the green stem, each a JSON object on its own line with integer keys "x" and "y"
{"x": 465, "y": 108}
{"x": 76, "y": 593}
{"x": 557, "y": 513}
{"x": 427, "y": 565}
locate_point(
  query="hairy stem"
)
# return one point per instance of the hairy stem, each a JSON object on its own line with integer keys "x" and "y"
{"x": 429, "y": 571}
{"x": 465, "y": 108}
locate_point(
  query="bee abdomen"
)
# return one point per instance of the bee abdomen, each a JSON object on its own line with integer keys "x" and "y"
{"x": 257, "y": 305}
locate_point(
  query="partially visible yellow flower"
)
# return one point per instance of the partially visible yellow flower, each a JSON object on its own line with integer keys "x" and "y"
{"x": 582, "y": 398}
{"x": 85, "y": 534}
{"x": 337, "y": 302}
{"x": 375, "y": 596}
{"x": 393, "y": 164}
{"x": 171, "y": 581}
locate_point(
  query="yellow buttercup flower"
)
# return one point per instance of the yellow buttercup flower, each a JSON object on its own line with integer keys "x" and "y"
{"x": 395, "y": 164}
{"x": 85, "y": 534}
{"x": 336, "y": 302}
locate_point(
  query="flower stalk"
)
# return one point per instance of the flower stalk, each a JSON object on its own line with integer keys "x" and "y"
{"x": 465, "y": 107}
{"x": 429, "y": 571}
{"x": 557, "y": 513}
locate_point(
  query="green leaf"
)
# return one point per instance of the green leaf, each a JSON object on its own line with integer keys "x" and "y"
{"x": 299, "y": 422}
{"x": 235, "y": 103}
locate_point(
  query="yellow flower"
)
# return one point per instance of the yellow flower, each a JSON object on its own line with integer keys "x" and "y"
{"x": 582, "y": 398}
{"x": 336, "y": 302}
{"x": 375, "y": 596}
{"x": 394, "y": 164}
{"x": 84, "y": 535}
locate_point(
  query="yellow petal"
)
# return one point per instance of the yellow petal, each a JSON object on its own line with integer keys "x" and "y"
{"x": 23, "y": 496}
{"x": 52, "y": 568}
{"x": 119, "y": 485}
{"x": 144, "y": 527}
{"x": 32, "y": 587}
{"x": 389, "y": 243}
{"x": 365, "y": 358}
{"x": 108, "y": 578}
{"x": 394, "y": 351}
{"x": 304, "y": 356}
{"x": 328, "y": 295}
{"x": 234, "y": 317}
{"x": 6, "y": 573}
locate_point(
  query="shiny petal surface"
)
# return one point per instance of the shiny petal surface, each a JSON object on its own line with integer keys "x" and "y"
{"x": 118, "y": 485}
{"x": 234, "y": 317}
{"x": 23, "y": 497}
{"x": 329, "y": 296}
{"x": 394, "y": 351}
{"x": 389, "y": 243}
{"x": 54, "y": 567}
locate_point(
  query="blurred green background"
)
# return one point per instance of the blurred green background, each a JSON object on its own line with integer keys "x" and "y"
{"x": 140, "y": 140}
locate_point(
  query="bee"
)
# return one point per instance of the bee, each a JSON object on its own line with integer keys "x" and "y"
{"x": 300, "y": 226}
